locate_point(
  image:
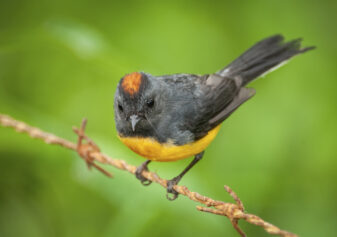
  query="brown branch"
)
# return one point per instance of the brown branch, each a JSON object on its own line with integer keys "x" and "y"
{"x": 91, "y": 153}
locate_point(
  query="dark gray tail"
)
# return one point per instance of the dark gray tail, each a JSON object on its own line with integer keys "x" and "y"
{"x": 262, "y": 57}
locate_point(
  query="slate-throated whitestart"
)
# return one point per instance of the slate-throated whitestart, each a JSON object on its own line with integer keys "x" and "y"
{"x": 172, "y": 117}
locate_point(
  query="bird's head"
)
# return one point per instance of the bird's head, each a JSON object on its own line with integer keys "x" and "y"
{"x": 136, "y": 105}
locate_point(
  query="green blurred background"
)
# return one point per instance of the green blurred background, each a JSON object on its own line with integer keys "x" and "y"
{"x": 61, "y": 60}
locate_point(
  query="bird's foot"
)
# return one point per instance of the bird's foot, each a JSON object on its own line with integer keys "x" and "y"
{"x": 139, "y": 175}
{"x": 172, "y": 194}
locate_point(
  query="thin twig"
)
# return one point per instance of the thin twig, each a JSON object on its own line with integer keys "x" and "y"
{"x": 85, "y": 150}
{"x": 91, "y": 153}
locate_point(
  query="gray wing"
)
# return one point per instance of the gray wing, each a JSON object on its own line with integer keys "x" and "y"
{"x": 196, "y": 104}
{"x": 219, "y": 97}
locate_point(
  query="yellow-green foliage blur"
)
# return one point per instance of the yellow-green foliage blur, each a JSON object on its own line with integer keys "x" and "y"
{"x": 61, "y": 60}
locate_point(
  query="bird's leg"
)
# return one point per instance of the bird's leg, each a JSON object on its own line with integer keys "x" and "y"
{"x": 175, "y": 180}
{"x": 139, "y": 174}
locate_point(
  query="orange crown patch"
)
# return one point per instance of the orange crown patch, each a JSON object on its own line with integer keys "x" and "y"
{"x": 131, "y": 82}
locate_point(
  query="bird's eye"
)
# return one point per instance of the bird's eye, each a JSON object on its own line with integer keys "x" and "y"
{"x": 120, "y": 108}
{"x": 150, "y": 103}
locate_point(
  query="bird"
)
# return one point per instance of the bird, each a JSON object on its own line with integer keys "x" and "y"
{"x": 173, "y": 117}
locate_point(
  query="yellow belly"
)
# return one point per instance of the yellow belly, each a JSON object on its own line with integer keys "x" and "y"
{"x": 153, "y": 150}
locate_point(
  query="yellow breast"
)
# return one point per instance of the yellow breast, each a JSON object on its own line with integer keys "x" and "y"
{"x": 153, "y": 150}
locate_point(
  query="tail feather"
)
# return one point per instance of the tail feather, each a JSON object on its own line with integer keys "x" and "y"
{"x": 263, "y": 57}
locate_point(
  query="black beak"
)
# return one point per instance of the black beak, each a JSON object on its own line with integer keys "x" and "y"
{"x": 134, "y": 120}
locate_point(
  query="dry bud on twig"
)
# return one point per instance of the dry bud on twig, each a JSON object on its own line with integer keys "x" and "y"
{"x": 91, "y": 153}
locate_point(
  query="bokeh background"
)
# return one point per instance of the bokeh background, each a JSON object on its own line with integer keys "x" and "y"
{"x": 61, "y": 60}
